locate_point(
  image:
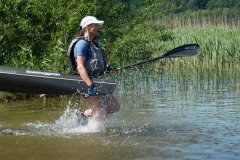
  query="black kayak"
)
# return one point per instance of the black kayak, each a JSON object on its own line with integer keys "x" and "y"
{"x": 43, "y": 82}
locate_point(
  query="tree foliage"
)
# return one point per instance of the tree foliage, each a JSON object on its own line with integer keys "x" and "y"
{"x": 36, "y": 34}
{"x": 176, "y": 6}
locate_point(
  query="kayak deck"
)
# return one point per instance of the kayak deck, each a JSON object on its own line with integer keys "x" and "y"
{"x": 33, "y": 81}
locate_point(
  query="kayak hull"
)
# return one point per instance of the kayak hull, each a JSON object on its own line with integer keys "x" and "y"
{"x": 42, "y": 82}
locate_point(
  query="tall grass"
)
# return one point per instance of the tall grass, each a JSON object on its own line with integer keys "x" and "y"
{"x": 216, "y": 31}
{"x": 220, "y": 51}
{"x": 217, "y": 61}
{"x": 224, "y": 17}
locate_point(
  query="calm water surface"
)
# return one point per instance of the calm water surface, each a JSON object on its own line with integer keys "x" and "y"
{"x": 166, "y": 119}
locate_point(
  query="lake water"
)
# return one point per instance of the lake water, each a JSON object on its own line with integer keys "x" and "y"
{"x": 166, "y": 118}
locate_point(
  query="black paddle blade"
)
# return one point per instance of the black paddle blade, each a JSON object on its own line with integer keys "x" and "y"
{"x": 183, "y": 51}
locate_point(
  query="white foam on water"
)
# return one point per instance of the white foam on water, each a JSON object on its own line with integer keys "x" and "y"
{"x": 67, "y": 124}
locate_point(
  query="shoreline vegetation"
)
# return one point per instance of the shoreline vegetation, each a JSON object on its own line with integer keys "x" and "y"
{"x": 40, "y": 35}
{"x": 11, "y": 96}
{"x": 220, "y": 18}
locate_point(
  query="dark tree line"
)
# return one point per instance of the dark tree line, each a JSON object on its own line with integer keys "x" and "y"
{"x": 184, "y": 5}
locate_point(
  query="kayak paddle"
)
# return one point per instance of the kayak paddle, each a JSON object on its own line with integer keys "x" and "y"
{"x": 181, "y": 51}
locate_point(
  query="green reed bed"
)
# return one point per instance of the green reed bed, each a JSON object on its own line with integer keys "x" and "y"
{"x": 220, "y": 51}
{"x": 217, "y": 62}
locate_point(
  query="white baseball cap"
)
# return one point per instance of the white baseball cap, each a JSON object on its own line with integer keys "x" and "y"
{"x": 89, "y": 20}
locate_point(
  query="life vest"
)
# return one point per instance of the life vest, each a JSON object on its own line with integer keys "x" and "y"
{"x": 95, "y": 65}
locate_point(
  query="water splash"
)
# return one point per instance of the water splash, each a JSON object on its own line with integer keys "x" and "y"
{"x": 68, "y": 124}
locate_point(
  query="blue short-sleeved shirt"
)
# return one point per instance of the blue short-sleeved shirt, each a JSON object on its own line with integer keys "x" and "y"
{"x": 82, "y": 49}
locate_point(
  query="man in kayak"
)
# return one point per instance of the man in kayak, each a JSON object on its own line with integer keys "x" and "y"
{"x": 89, "y": 62}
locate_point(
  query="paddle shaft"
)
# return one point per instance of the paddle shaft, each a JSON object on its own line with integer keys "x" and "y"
{"x": 141, "y": 62}
{"x": 181, "y": 51}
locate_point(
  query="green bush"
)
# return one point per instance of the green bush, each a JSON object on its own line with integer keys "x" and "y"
{"x": 36, "y": 34}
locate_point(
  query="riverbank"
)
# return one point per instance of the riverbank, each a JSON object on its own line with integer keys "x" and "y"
{"x": 10, "y": 96}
